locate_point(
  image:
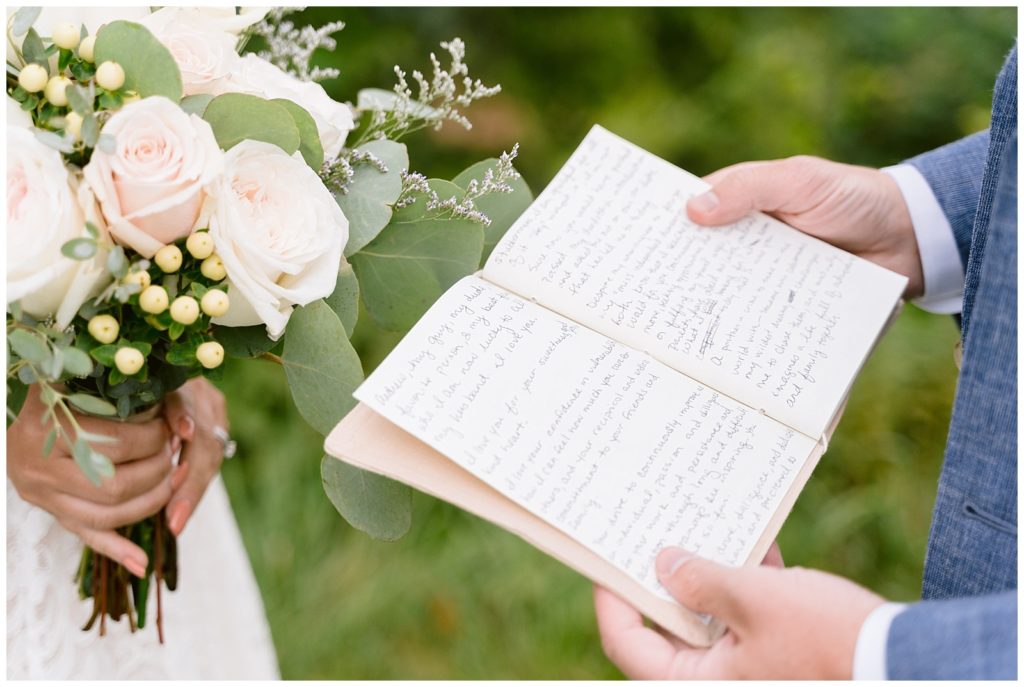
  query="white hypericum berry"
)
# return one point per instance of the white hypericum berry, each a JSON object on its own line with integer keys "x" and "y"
{"x": 110, "y": 76}
{"x": 87, "y": 48}
{"x": 200, "y": 245}
{"x": 168, "y": 259}
{"x": 140, "y": 277}
{"x": 66, "y": 35}
{"x": 210, "y": 354}
{"x": 153, "y": 299}
{"x": 185, "y": 310}
{"x": 73, "y": 124}
{"x": 129, "y": 360}
{"x": 33, "y": 78}
{"x": 55, "y": 90}
{"x": 104, "y": 328}
{"x": 213, "y": 268}
{"x": 215, "y": 303}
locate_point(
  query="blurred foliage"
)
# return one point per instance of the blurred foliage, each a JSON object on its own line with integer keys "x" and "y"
{"x": 704, "y": 88}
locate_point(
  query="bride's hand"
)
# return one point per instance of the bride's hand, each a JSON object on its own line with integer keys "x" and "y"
{"x": 140, "y": 487}
{"x": 192, "y": 412}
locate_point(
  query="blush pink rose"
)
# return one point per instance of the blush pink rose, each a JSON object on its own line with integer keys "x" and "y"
{"x": 151, "y": 187}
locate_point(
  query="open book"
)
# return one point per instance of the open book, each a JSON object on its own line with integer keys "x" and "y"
{"x": 618, "y": 379}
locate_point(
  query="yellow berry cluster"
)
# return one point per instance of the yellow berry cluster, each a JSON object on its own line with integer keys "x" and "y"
{"x": 185, "y": 310}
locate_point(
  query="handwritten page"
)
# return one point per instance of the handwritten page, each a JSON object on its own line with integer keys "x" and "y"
{"x": 756, "y": 310}
{"x": 619, "y": 451}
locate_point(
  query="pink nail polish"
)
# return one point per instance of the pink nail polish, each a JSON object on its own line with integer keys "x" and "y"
{"x": 134, "y": 567}
{"x": 177, "y": 516}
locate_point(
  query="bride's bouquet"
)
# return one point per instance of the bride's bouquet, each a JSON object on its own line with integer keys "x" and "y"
{"x": 174, "y": 200}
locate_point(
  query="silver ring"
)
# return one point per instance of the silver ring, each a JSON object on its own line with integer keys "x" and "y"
{"x": 230, "y": 446}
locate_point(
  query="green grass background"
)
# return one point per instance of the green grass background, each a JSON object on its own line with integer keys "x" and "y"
{"x": 458, "y": 598}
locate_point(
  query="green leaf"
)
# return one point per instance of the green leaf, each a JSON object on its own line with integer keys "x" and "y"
{"x": 79, "y": 249}
{"x": 414, "y": 260}
{"x": 24, "y": 18}
{"x": 94, "y": 465}
{"x": 78, "y": 98}
{"x": 104, "y": 355}
{"x": 196, "y": 104}
{"x": 369, "y": 502}
{"x": 183, "y": 354}
{"x": 77, "y": 362}
{"x": 309, "y": 138}
{"x": 322, "y": 367}
{"x": 344, "y": 301}
{"x": 90, "y": 131}
{"x": 367, "y": 205}
{"x": 149, "y": 67}
{"x": 175, "y": 330}
{"x": 244, "y": 342}
{"x": 92, "y": 404}
{"x": 51, "y": 439}
{"x": 16, "y": 394}
{"x": 236, "y": 117}
{"x": 33, "y": 51}
{"x": 117, "y": 263}
{"x": 29, "y": 346}
{"x": 503, "y": 209}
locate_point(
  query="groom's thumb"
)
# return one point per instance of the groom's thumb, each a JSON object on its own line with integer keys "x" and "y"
{"x": 698, "y": 583}
{"x": 738, "y": 190}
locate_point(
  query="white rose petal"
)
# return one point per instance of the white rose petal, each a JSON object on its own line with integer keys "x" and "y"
{"x": 205, "y": 54}
{"x": 151, "y": 187}
{"x": 256, "y": 76}
{"x": 43, "y": 213}
{"x": 17, "y": 116}
{"x": 279, "y": 232}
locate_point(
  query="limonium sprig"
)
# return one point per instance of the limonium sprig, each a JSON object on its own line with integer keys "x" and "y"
{"x": 292, "y": 48}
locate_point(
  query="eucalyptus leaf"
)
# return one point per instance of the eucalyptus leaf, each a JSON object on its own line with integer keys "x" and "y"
{"x": 63, "y": 144}
{"x": 92, "y": 404}
{"x": 51, "y": 439}
{"x": 503, "y": 209}
{"x": 236, "y": 117}
{"x": 414, "y": 260}
{"x": 321, "y": 366}
{"x": 29, "y": 346}
{"x": 244, "y": 342}
{"x": 107, "y": 143}
{"x": 24, "y": 18}
{"x": 90, "y": 131}
{"x": 380, "y": 507}
{"x": 16, "y": 394}
{"x": 367, "y": 204}
{"x": 79, "y": 249}
{"x": 196, "y": 104}
{"x": 94, "y": 465}
{"x": 149, "y": 67}
{"x": 117, "y": 263}
{"x": 33, "y": 51}
{"x": 78, "y": 98}
{"x": 344, "y": 301}
{"x": 77, "y": 362}
{"x": 310, "y": 147}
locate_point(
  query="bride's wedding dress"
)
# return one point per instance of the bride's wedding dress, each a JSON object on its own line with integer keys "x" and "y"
{"x": 214, "y": 624}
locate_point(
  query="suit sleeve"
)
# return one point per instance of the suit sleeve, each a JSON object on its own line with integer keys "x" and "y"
{"x": 970, "y": 638}
{"x": 954, "y": 173}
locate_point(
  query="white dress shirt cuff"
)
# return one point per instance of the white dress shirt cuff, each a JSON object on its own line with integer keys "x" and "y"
{"x": 869, "y": 656}
{"x": 940, "y": 257}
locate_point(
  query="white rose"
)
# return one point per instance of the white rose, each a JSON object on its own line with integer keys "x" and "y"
{"x": 151, "y": 187}
{"x": 17, "y": 116}
{"x": 90, "y": 17}
{"x": 226, "y": 19}
{"x": 256, "y": 76}
{"x": 205, "y": 54}
{"x": 43, "y": 213}
{"x": 279, "y": 232}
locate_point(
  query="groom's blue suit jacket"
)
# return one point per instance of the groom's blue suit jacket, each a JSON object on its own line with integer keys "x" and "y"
{"x": 965, "y": 626}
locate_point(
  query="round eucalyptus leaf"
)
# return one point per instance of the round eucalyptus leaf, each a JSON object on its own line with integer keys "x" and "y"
{"x": 310, "y": 147}
{"x": 367, "y": 204}
{"x": 376, "y": 505}
{"x": 236, "y": 117}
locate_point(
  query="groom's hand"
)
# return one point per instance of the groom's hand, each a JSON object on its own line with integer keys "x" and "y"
{"x": 858, "y": 209}
{"x": 784, "y": 623}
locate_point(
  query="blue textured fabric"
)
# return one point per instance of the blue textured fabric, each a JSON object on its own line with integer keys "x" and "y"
{"x": 958, "y": 629}
{"x": 966, "y": 624}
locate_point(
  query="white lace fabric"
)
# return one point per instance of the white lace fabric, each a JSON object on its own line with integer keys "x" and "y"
{"x": 214, "y": 624}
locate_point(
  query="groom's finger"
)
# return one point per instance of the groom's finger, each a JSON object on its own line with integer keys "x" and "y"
{"x": 638, "y": 651}
{"x": 701, "y": 585}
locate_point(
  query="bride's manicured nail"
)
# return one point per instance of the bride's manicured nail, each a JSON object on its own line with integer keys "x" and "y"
{"x": 179, "y": 475}
{"x": 670, "y": 559}
{"x": 177, "y": 517}
{"x": 134, "y": 567}
{"x": 186, "y": 427}
{"x": 705, "y": 203}
{"x": 175, "y": 444}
